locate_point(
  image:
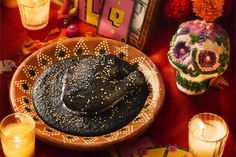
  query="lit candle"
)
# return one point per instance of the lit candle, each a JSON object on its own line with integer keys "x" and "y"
{"x": 207, "y": 135}
{"x": 18, "y": 135}
{"x": 34, "y": 13}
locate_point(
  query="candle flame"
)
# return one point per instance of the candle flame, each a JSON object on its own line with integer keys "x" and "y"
{"x": 36, "y": 2}
{"x": 17, "y": 141}
{"x": 202, "y": 127}
{"x": 16, "y": 138}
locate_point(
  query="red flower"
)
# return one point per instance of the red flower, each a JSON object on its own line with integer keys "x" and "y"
{"x": 177, "y": 9}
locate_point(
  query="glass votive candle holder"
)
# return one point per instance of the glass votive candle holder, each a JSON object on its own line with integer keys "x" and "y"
{"x": 34, "y": 13}
{"x": 207, "y": 135}
{"x": 18, "y": 135}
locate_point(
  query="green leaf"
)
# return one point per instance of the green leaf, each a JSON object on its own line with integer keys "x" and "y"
{"x": 194, "y": 52}
{"x": 224, "y": 59}
{"x": 173, "y": 40}
{"x": 194, "y": 38}
{"x": 218, "y": 40}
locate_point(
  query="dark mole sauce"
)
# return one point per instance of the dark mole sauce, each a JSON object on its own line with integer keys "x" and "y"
{"x": 90, "y": 96}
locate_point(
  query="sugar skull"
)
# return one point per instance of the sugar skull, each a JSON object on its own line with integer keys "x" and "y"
{"x": 199, "y": 51}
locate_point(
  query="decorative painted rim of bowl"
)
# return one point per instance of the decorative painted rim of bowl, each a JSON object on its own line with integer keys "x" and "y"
{"x": 27, "y": 73}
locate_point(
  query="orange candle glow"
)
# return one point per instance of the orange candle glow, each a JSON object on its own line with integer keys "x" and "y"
{"x": 34, "y": 13}
{"x": 18, "y": 135}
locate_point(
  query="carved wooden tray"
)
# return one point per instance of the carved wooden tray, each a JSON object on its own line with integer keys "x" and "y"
{"x": 28, "y": 72}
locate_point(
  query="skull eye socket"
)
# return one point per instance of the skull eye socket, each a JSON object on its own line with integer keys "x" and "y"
{"x": 207, "y": 60}
{"x": 181, "y": 51}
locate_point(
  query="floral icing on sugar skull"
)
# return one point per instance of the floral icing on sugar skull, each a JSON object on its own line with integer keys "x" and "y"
{"x": 199, "y": 51}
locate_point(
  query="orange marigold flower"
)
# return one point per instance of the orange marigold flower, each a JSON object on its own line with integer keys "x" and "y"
{"x": 209, "y": 10}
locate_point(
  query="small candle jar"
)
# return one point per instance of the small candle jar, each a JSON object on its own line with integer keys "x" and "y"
{"x": 18, "y": 135}
{"x": 207, "y": 135}
{"x": 34, "y": 13}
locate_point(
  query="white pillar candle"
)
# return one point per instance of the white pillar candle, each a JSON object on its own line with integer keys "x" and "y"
{"x": 34, "y": 13}
{"x": 207, "y": 135}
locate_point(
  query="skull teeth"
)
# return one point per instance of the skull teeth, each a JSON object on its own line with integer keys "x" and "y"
{"x": 190, "y": 66}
